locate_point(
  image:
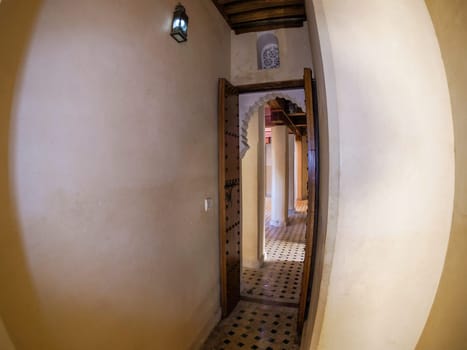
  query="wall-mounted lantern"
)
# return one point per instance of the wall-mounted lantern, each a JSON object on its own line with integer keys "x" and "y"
{"x": 179, "y": 24}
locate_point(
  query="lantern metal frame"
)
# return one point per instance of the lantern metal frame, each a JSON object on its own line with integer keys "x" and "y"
{"x": 180, "y": 24}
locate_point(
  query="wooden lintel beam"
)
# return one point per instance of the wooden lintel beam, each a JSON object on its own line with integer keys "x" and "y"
{"x": 279, "y": 85}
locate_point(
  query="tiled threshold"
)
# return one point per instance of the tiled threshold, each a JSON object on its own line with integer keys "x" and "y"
{"x": 256, "y": 326}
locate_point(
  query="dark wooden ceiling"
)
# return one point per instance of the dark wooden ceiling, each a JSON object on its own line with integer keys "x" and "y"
{"x": 285, "y": 112}
{"x": 245, "y": 16}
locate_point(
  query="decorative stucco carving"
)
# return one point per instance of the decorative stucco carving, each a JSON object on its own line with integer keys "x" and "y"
{"x": 259, "y": 101}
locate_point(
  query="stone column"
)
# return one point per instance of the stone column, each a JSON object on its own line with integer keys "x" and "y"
{"x": 304, "y": 167}
{"x": 298, "y": 175}
{"x": 279, "y": 201}
{"x": 250, "y": 197}
{"x": 261, "y": 184}
{"x": 290, "y": 161}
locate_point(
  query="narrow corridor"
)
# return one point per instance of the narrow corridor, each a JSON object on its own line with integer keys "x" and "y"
{"x": 279, "y": 278}
{"x": 266, "y": 318}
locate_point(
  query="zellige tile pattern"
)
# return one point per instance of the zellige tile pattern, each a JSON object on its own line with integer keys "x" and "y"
{"x": 280, "y": 276}
{"x": 253, "y": 325}
{"x": 256, "y": 326}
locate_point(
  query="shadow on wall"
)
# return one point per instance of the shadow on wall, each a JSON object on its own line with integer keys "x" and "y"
{"x": 16, "y": 285}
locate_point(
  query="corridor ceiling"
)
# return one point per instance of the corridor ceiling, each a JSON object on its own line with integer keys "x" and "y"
{"x": 285, "y": 112}
{"x": 245, "y": 16}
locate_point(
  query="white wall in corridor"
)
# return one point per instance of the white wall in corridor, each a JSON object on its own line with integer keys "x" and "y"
{"x": 390, "y": 164}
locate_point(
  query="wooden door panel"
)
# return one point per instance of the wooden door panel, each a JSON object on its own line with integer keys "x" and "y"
{"x": 229, "y": 196}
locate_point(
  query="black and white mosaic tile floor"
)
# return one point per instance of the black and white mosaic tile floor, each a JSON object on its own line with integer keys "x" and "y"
{"x": 279, "y": 279}
{"x": 253, "y": 325}
{"x": 256, "y": 326}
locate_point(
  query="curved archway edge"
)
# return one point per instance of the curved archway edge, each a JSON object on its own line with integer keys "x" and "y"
{"x": 249, "y": 104}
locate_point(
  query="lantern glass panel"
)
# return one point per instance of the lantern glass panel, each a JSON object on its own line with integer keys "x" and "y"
{"x": 179, "y": 24}
{"x": 183, "y": 25}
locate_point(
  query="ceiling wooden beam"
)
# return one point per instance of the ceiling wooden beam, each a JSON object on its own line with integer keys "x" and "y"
{"x": 245, "y": 16}
{"x": 279, "y": 114}
{"x": 298, "y": 120}
{"x": 267, "y": 25}
{"x": 274, "y": 104}
{"x": 268, "y": 14}
{"x": 226, "y": 2}
{"x": 252, "y": 5}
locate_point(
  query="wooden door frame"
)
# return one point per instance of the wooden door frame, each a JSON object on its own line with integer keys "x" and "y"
{"x": 313, "y": 198}
{"x": 311, "y": 234}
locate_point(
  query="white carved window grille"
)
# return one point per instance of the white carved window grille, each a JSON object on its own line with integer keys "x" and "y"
{"x": 268, "y": 51}
{"x": 270, "y": 56}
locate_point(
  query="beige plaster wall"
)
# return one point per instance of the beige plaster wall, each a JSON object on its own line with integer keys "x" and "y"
{"x": 295, "y": 54}
{"x": 447, "y": 324}
{"x": 108, "y": 149}
{"x": 389, "y": 126}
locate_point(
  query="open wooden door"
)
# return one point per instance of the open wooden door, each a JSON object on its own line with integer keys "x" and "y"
{"x": 230, "y": 196}
{"x": 312, "y": 135}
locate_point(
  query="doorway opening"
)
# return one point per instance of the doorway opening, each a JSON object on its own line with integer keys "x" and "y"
{"x": 266, "y": 242}
{"x": 274, "y": 200}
